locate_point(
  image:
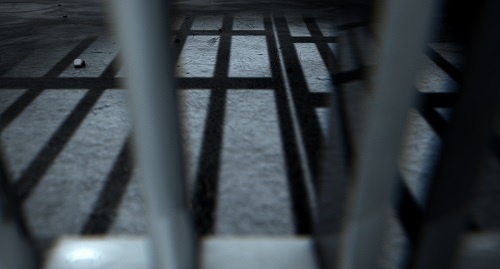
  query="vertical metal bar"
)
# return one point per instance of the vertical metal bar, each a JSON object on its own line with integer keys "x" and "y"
{"x": 404, "y": 32}
{"x": 143, "y": 28}
{"x": 17, "y": 249}
{"x": 464, "y": 149}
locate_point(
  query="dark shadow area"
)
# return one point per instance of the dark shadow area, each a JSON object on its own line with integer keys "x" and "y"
{"x": 44, "y": 159}
{"x": 33, "y": 84}
{"x": 301, "y": 208}
{"x": 106, "y": 207}
{"x": 204, "y": 198}
{"x": 11, "y": 214}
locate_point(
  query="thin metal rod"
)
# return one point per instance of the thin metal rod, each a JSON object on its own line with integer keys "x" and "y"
{"x": 143, "y": 28}
{"x": 404, "y": 32}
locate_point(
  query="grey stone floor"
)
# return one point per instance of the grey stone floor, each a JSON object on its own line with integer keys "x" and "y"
{"x": 254, "y": 105}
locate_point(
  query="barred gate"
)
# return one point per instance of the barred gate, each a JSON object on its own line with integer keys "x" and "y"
{"x": 348, "y": 199}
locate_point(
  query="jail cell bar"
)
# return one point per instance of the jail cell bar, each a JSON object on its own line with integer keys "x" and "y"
{"x": 143, "y": 29}
{"x": 404, "y": 31}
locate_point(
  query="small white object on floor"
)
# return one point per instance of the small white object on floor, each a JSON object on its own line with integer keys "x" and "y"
{"x": 78, "y": 63}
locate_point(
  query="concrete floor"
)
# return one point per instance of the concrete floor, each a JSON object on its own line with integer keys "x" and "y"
{"x": 65, "y": 144}
{"x": 254, "y": 106}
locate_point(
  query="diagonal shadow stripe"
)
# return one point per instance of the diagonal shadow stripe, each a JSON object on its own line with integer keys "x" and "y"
{"x": 435, "y": 120}
{"x": 408, "y": 210}
{"x": 19, "y": 58}
{"x": 106, "y": 207}
{"x": 15, "y": 109}
{"x": 326, "y": 53}
{"x": 444, "y": 64}
{"x": 204, "y": 198}
{"x": 437, "y": 99}
{"x": 44, "y": 159}
{"x": 68, "y": 58}
{"x": 47, "y": 155}
{"x": 299, "y": 197}
{"x": 338, "y": 99}
{"x": 307, "y": 117}
{"x": 337, "y": 170}
{"x": 180, "y": 39}
{"x": 10, "y": 209}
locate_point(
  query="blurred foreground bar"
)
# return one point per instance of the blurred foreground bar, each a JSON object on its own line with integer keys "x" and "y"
{"x": 143, "y": 28}
{"x": 404, "y": 31}
{"x": 464, "y": 152}
{"x": 17, "y": 249}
